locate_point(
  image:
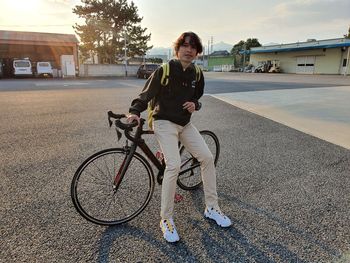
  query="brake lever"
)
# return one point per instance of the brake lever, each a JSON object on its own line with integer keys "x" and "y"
{"x": 119, "y": 134}
{"x": 109, "y": 120}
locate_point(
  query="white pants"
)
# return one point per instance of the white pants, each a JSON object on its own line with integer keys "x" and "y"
{"x": 168, "y": 134}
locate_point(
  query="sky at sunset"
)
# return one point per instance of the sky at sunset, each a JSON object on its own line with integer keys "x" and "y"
{"x": 270, "y": 21}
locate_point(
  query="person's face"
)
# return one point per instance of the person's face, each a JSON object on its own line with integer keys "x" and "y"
{"x": 187, "y": 51}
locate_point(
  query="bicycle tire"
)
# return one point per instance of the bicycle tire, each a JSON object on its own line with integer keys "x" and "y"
{"x": 190, "y": 173}
{"x": 92, "y": 190}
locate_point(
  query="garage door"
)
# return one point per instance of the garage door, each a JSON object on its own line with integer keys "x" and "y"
{"x": 305, "y": 65}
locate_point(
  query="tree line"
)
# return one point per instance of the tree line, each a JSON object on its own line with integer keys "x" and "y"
{"x": 112, "y": 30}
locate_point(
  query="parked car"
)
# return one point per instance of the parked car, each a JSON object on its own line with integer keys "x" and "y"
{"x": 44, "y": 69}
{"x": 146, "y": 70}
{"x": 22, "y": 67}
{"x": 1, "y": 68}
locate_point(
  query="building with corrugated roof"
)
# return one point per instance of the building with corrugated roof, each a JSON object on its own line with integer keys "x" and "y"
{"x": 220, "y": 60}
{"x": 60, "y": 49}
{"x": 330, "y": 56}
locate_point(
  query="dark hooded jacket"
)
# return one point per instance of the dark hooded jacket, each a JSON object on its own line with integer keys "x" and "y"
{"x": 169, "y": 100}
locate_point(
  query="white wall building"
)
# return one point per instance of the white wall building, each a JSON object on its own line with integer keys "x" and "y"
{"x": 330, "y": 56}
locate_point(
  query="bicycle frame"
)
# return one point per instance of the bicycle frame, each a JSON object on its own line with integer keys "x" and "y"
{"x": 137, "y": 141}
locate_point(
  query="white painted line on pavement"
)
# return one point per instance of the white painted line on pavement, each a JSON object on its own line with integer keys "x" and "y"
{"x": 65, "y": 84}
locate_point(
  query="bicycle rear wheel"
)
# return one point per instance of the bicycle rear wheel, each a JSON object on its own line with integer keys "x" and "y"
{"x": 190, "y": 174}
{"x": 93, "y": 192}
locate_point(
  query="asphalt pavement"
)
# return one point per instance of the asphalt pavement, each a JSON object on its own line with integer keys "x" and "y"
{"x": 285, "y": 191}
{"x": 321, "y": 112}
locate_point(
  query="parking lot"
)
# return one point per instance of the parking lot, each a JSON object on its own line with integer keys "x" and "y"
{"x": 285, "y": 189}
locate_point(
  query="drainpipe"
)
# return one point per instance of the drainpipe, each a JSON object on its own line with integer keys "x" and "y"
{"x": 347, "y": 62}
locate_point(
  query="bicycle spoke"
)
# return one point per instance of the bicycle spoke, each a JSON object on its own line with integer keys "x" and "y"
{"x": 190, "y": 173}
{"x": 94, "y": 196}
{"x": 123, "y": 210}
{"x": 110, "y": 176}
{"x": 88, "y": 191}
{"x": 188, "y": 176}
{"x": 186, "y": 162}
{"x": 109, "y": 205}
{"x": 99, "y": 169}
{"x": 98, "y": 179}
{"x": 114, "y": 166}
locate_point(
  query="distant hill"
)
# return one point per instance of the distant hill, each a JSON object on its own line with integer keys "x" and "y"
{"x": 271, "y": 44}
{"x": 160, "y": 51}
{"x": 165, "y": 51}
{"x": 222, "y": 46}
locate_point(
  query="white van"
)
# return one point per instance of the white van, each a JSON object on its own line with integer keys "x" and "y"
{"x": 22, "y": 67}
{"x": 44, "y": 69}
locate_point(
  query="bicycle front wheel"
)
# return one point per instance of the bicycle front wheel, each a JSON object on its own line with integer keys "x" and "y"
{"x": 97, "y": 199}
{"x": 190, "y": 174}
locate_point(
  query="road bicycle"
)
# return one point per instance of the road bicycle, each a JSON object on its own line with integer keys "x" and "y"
{"x": 115, "y": 185}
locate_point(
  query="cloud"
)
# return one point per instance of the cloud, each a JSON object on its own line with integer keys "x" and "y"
{"x": 292, "y": 21}
{"x": 303, "y": 12}
{"x": 64, "y": 2}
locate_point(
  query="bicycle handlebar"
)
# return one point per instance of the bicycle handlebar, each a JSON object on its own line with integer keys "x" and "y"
{"x": 118, "y": 123}
{"x": 127, "y": 127}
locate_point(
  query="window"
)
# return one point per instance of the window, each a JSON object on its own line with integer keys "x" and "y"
{"x": 44, "y": 64}
{"x": 22, "y": 64}
{"x": 153, "y": 67}
{"x": 344, "y": 62}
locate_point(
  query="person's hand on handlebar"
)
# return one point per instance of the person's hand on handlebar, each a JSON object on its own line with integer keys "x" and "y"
{"x": 132, "y": 117}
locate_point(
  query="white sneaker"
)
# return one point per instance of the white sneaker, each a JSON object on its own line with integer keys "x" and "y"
{"x": 169, "y": 231}
{"x": 218, "y": 216}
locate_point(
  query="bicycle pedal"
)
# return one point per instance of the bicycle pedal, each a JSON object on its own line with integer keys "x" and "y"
{"x": 178, "y": 198}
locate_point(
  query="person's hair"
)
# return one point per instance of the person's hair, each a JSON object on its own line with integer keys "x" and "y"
{"x": 195, "y": 42}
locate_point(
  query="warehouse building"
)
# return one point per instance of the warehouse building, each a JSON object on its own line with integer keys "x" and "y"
{"x": 330, "y": 56}
{"x": 59, "y": 49}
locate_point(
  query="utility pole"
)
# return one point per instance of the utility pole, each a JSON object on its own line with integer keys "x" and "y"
{"x": 208, "y": 53}
{"x": 244, "y": 49}
{"x": 203, "y": 54}
{"x": 125, "y": 55}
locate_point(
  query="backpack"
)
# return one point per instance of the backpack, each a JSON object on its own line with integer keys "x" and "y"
{"x": 164, "y": 81}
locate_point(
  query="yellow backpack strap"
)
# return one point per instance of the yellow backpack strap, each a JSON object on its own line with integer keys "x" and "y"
{"x": 164, "y": 82}
{"x": 198, "y": 72}
{"x": 150, "y": 109}
{"x": 165, "y": 76}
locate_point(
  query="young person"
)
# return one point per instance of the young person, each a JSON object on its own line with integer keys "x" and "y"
{"x": 174, "y": 105}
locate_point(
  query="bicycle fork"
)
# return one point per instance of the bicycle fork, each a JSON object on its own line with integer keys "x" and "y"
{"x": 129, "y": 153}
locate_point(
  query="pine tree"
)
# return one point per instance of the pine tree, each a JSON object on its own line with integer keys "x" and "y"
{"x": 108, "y": 24}
{"x": 240, "y": 46}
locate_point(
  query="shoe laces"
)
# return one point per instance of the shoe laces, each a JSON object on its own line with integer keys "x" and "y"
{"x": 169, "y": 225}
{"x": 217, "y": 211}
